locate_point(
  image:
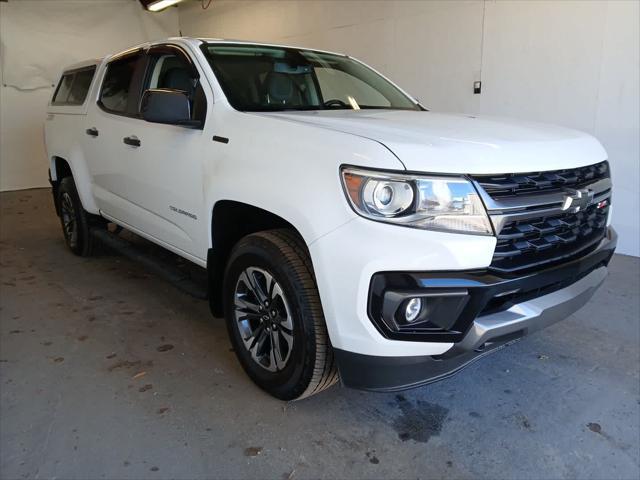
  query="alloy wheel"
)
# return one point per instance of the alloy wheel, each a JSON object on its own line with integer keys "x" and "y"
{"x": 69, "y": 219}
{"x": 263, "y": 318}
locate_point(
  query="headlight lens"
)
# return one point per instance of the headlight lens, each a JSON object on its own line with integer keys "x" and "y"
{"x": 386, "y": 197}
{"x": 430, "y": 202}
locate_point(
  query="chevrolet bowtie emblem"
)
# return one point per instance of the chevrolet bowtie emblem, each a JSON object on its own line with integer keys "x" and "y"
{"x": 576, "y": 200}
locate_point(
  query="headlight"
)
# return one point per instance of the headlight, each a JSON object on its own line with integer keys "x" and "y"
{"x": 431, "y": 202}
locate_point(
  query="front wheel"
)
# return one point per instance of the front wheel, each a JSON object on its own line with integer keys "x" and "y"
{"x": 275, "y": 318}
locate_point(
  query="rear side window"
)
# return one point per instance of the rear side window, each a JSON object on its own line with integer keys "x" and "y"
{"x": 73, "y": 87}
{"x": 80, "y": 88}
{"x": 118, "y": 93}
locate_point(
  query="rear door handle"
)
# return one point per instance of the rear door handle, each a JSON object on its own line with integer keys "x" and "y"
{"x": 132, "y": 140}
{"x": 93, "y": 131}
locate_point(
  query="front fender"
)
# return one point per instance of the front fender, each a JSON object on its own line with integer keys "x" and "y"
{"x": 289, "y": 169}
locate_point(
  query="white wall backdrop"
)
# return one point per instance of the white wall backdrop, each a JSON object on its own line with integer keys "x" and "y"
{"x": 38, "y": 38}
{"x": 574, "y": 63}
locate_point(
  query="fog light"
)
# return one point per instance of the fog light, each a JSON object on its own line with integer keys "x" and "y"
{"x": 412, "y": 311}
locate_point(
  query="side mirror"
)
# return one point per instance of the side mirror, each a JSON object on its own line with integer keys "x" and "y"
{"x": 167, "y": 106}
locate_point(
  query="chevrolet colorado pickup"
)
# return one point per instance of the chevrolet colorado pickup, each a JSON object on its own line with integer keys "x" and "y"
{"x": 348, "y": 233}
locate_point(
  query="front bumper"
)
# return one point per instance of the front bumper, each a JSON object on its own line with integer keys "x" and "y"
{"x": 548, "y": 296}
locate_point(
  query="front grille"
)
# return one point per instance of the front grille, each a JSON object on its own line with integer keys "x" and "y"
{"x": 534, "y": 226}
{"x": 524, "y": 245}
{"x": 515, "y": 184}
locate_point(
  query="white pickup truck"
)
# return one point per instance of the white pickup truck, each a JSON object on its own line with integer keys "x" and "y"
{"x": 348, "y": 232}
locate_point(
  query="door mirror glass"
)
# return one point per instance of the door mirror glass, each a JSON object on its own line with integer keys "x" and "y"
{"x": 167, "y": 106}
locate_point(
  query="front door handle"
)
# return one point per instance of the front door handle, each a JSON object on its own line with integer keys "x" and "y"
{"x": 132, "y": 140}
{"x": 93, "y": 131}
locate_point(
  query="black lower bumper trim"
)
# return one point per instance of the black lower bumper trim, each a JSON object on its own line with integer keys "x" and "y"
{"x": 392, "y": 374}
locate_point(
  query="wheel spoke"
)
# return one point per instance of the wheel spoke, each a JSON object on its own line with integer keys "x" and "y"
{"x": 253, "y": 337}
{"x": 245, "y": 305}
{"x": 280, "y": 303}
{"x": 257, "y": 290}
{"x": 277, "y": 350}
{"x": 261, "y": 291}
{"x": 276, "y": 293}
{"x": 288, "y": 338}
{"x": 244, "y": 279}
{"x": 286, "y": 323}
{"x": 271, "y": 286}
{"x": 273, "y": 361}
{"x": 257, "y": 348}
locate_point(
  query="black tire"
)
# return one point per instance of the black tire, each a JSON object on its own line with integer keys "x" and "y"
{"x": 309, "y": 365}
{"x": 74, "y": 219}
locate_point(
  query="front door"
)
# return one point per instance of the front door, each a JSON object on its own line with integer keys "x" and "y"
{"x": 165, "y": 175}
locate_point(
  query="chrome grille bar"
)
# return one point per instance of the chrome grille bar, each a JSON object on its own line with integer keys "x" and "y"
{"x": 544, "y": 226}
{"x": 514, "y": 184}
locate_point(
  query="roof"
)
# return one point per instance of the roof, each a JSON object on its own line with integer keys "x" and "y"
{"x": 195, "y": 42}
{"x": 264, "y": 44}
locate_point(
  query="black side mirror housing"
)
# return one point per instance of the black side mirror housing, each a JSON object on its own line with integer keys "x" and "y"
{"x": 160, "y": 105}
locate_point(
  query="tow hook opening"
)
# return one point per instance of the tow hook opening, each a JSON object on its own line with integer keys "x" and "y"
{"x": 502, "y": 340}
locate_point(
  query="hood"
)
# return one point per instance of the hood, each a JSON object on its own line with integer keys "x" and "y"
{"x": 455, "y": 143}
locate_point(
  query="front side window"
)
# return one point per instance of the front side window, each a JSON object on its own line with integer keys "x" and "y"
{"x": 117, "y": 94}
{"x": 73, "y": 87}
{"x": 264, "y": 78}
{"x": 172, "y": 71}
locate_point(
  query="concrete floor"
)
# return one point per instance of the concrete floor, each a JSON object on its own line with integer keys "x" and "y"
{"x": 109, "y": 372}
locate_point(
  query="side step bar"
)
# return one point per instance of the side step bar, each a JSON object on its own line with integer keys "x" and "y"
{"x": 163, "y": 269}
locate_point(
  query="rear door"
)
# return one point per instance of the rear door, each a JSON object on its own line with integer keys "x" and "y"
{"x": 110, "y": 126}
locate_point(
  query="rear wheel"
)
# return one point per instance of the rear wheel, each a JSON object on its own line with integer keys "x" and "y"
{"x": 275, "y": 318}
{"x": 74, "y": 219}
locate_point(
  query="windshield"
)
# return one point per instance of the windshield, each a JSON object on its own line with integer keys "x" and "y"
{"x": 261, "y": 78}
